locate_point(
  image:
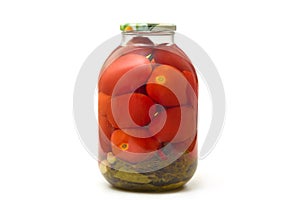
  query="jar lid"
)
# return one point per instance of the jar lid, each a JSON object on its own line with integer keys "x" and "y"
{"x": 129, "y": 27}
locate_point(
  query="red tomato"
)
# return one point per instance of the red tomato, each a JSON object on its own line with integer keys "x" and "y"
{"x": 192, "y": 79}
{"x": 132, "y": 149}
{"x": 167, "y": 86}
{"x": 192, "y": 88}
{"x": 173, "y": 49}
{"x": 105, "y": 131}
{"x": 103, "y": 103}
{"x": 170, "y": 55}
{"x": 138, "y": 41}
{"x": 137, "y": 45}
{"x": 132, "y": 68}
{"x": 193, "y": 149}
{"x": 130, "y": 110}
{"x": 185, "y": 146}
{"x": 180, "y": 124}
{"x": 142, "y": 132}
{"x": 121, "y": 51}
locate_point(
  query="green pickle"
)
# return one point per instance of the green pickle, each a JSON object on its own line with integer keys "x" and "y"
{"x": 124, "y": 175}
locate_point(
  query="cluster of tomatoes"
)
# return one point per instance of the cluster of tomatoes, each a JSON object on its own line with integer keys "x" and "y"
{"x": 147, "y": 98}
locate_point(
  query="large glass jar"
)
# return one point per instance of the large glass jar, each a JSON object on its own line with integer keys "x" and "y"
{"x": 147, "y": 111}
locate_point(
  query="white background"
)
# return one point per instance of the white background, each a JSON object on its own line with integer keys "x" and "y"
{"x": 254, "y": 44}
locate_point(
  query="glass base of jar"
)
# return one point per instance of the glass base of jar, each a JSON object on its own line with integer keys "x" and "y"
{"x": 149, "y": 187}
{"x": 171, "y": 177}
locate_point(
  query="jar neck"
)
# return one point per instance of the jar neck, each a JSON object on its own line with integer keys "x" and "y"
{"x": 162, "y": 37}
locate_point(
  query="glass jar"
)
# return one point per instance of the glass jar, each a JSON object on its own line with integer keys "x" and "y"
{"x": 147, "y": 111}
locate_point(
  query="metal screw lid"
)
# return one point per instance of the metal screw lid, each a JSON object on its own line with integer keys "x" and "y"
{"x": 155, "y": 27}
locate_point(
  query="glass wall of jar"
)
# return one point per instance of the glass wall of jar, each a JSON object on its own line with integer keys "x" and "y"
{"x": 147, "y": 111}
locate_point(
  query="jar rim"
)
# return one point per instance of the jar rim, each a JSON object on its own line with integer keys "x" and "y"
{"x": 147, "y": 27}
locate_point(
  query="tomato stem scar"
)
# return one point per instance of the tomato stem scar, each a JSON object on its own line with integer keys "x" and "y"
{"x": 160, "y": 79}
{"x": 124, "y": 146}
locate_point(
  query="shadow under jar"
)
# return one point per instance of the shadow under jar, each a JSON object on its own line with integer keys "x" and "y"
{"x": 147, "y": 111}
